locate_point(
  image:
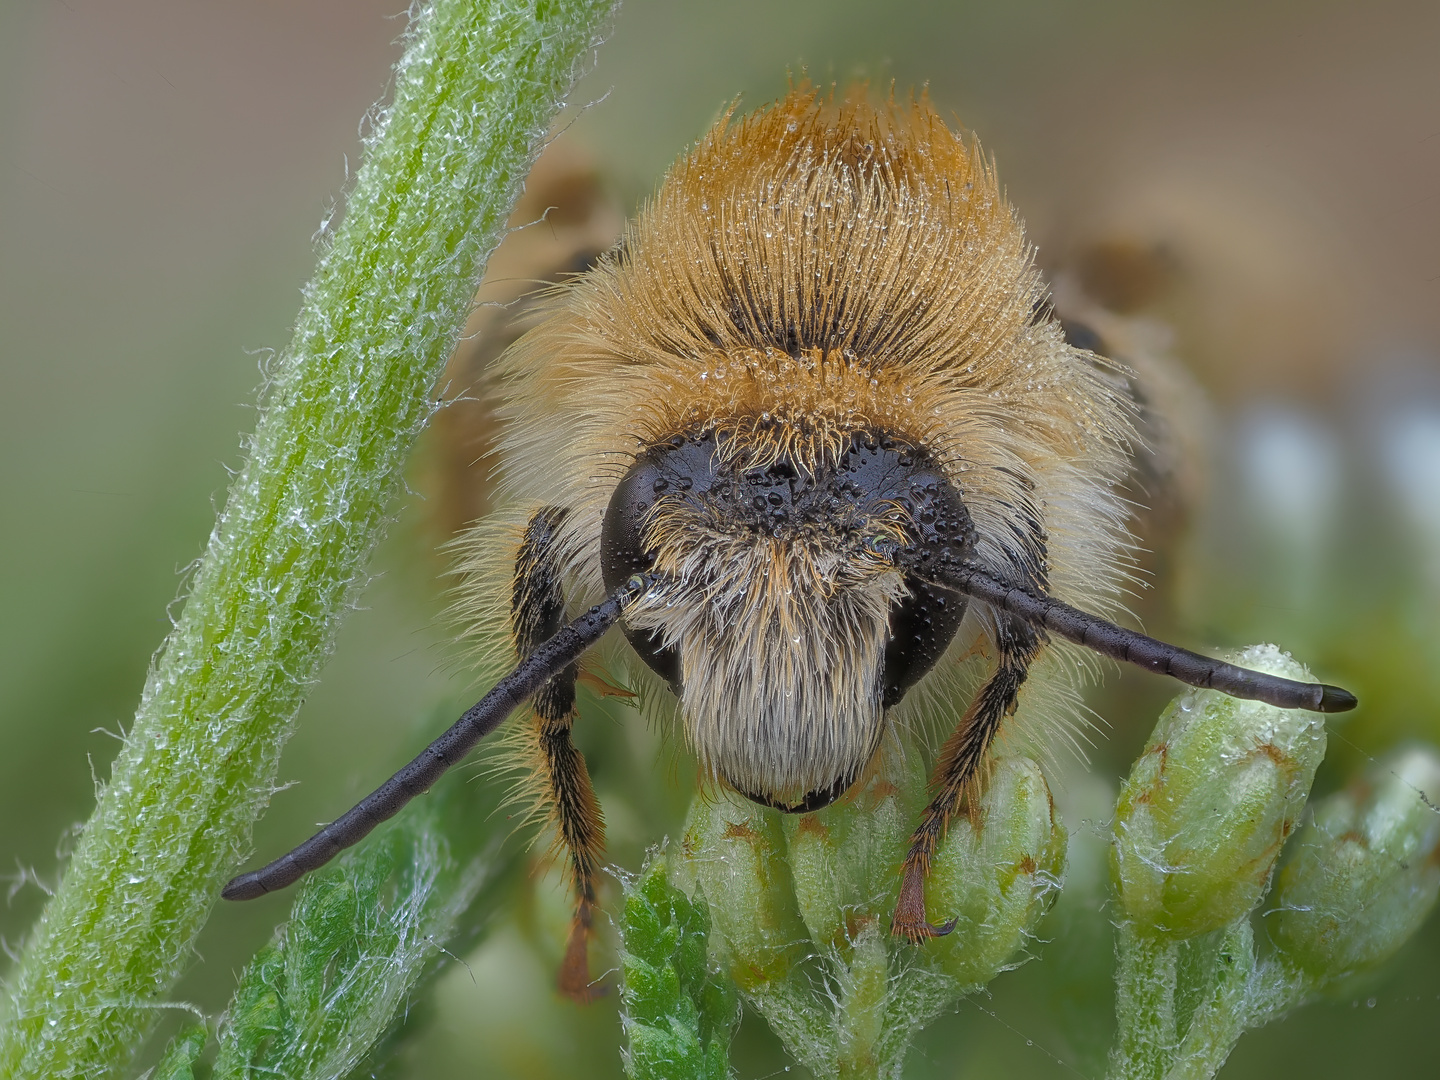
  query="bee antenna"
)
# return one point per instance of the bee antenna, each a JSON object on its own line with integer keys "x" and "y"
{"x": 1133, "y": 647}
{"x": 533, "y": 672}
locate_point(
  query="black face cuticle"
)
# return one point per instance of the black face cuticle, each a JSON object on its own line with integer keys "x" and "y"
{"x": 808, "y": 804}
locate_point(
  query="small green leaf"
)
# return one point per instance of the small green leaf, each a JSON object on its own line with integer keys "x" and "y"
{"x": 363, "y": 932}
{"x": 678, "y": 1016}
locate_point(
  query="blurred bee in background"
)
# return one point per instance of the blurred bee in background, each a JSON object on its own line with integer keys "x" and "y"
{"x": 812, "y": 434}
{"x": 1099, "y": 298}
{"x": 563, "y": 222}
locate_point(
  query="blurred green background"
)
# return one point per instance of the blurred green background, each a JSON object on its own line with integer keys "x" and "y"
{"x": 166, "y": 164}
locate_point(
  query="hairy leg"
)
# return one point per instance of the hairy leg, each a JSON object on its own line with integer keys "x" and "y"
{"x": 1018, "y": 644}
{"x": 537, "y": 610}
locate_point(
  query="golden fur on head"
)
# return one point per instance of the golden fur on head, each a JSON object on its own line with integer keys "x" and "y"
{"x": 806, "y": 272}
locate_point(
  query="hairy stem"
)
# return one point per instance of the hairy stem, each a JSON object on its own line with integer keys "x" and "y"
{"x": 475, "y": 91}
{"x": 1243, "y": 994}
{"x": 1145, "y": 980}
{"x": 1223, "y": 1015}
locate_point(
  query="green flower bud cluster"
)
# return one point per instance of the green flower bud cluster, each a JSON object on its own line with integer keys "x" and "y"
{"x": 802, "y": 906}
{"x": 794, "y": 910}
{"x": 1199, "y": 829}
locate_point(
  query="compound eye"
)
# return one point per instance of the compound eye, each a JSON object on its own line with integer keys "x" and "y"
{"x": 622, "y": 551}
{"x": 922, "y": 625}
{"x": 681, "y": 466}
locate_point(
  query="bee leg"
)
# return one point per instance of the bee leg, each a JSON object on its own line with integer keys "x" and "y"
{"x": 960, "y": 762}
{"x": 582, "y": 832}
{"x": 537, "y": 610}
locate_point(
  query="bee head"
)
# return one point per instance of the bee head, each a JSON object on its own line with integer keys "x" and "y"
{"x": 783, "y": 629}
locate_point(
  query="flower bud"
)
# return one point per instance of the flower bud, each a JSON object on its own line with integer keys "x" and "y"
{"x": 996, "y": 876}
{"x": 845, "y": 858}
{"x": 1366, "y": 869}
{"x": 1205, "y": 810}
{"x": 735, "y": 852}
{"x": 802, "y": 904}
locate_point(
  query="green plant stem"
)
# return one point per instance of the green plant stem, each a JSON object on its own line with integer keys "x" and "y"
{"x": 475, "y": 91}
{"x": 1146, "y": 973}
{"x": 1238, "y": 993}
{"x": 1243, "y": 994}
{"x": 1224, "y": 1014}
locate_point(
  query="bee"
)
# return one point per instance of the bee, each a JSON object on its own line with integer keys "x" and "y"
{"x": 811, "y": 435}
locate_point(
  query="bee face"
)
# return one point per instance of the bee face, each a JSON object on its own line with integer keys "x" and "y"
{"x": 782, "y": 630}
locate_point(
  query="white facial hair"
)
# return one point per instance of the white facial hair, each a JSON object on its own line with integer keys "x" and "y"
{"x": 781, "y": 644}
